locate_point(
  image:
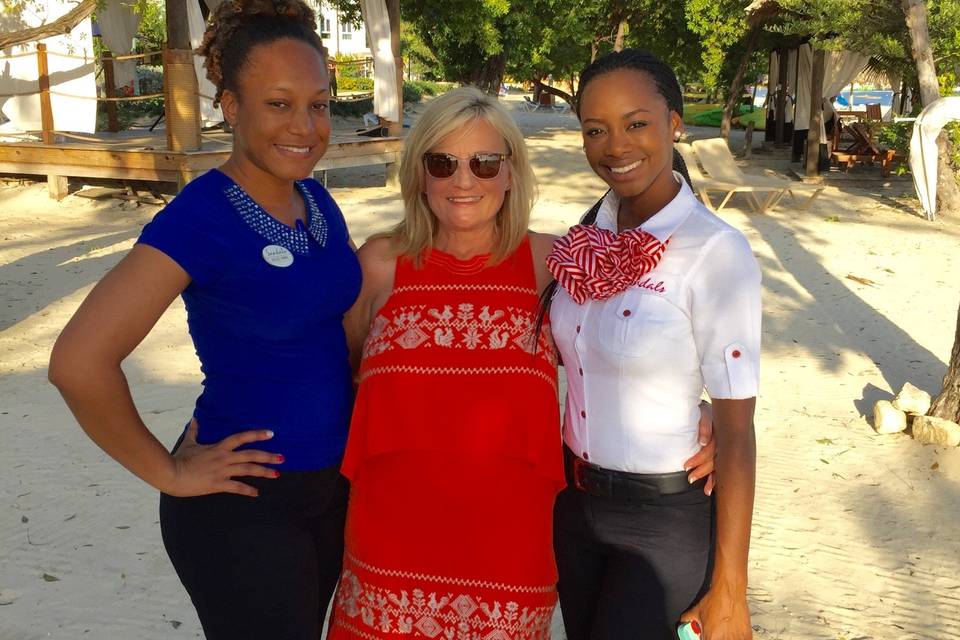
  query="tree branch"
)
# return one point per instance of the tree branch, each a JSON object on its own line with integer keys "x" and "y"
{"x": 60, "y": 26}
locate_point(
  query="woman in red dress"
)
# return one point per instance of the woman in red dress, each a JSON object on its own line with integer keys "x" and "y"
{"x": 454, "y": 453}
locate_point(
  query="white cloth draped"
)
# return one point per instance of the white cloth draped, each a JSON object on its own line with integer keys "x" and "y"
{"x": 840, "y": 68}
{"x": 118, "y": 26}
{"x": 73, "y": 75}
{"x": 791, "y": 84}
{"x": 386, "y": 98}
{"x": 772, "y": 76}
{"x": 209, "y": 115}
{"x": 924, "y": 153}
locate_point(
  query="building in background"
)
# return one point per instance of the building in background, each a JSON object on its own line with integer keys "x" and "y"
{"x": 341, "y": 38}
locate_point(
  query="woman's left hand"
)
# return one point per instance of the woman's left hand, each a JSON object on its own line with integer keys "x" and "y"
{"x": 700, "y": 465}
{"x": 722, "y": 615}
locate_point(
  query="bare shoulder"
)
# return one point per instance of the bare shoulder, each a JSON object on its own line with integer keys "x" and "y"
{"x": 377, "y": 258}
{"x": 540, "y": 246}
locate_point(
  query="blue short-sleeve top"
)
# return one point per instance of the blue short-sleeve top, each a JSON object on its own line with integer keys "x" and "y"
{"x": 265, "y": 310}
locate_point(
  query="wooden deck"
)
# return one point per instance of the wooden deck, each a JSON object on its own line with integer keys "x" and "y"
{"x": 136, "y": 156}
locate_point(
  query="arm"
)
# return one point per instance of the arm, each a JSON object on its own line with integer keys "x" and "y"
{"x": 701, "y": 464}
{"x": 85, "y": 367}
{"x": 723, "y": 611}
{"x": 377, "y": 263}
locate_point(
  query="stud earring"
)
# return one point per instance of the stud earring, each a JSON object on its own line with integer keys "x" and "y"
{"x": 676, "y": 136}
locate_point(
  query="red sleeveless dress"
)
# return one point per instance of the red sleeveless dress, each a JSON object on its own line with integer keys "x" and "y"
{"x": 454, "y": 458}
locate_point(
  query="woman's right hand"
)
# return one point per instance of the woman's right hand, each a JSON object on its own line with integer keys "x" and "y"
{"x": 202, "y": 469}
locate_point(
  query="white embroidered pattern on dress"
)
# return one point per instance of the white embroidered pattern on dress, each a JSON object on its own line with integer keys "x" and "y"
{"x": 460, "y": 327}
{"x": 435, "y": 608}
{"x": 456, "y": 371}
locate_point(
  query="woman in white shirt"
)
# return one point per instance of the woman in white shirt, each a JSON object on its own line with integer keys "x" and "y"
{"x": 658, "y": 301}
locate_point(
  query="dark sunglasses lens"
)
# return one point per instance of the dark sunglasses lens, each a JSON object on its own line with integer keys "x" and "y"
{"x": 485, "y": 167}
{"x": 440, "y": 165}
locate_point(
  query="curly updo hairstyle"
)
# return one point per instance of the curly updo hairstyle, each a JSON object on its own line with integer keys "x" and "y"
{"x": 237, "y": 26}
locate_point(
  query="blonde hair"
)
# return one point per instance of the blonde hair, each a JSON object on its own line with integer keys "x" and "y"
{"x": 446, "y": 114}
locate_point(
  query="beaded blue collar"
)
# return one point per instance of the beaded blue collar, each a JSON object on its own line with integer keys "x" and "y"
{"x": 294, "y": 239}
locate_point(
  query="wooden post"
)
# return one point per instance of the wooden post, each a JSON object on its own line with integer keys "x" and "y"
{"x": 57, "y": 185}
{"x": 748, "y": 139}
{"x": 816, "y": 114}
{"x": 46, "y": 109}
{"x": 181, "y": 102}
{"x": 110, "y": 88}
{"x": 781, "y": 112}
{"x": 395, "y": 128}
{"x": 181, "y": 95}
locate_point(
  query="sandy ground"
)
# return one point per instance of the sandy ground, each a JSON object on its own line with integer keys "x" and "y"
{"x": 855, "y": 535}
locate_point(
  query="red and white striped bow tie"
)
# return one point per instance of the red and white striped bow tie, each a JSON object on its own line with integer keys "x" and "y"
{"x": 596, "y": 263}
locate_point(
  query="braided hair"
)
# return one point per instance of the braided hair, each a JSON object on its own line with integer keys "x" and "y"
{"x": 639, "y": 60}
{"x": 667, "y": 86}
{"x": 238, "y": 26}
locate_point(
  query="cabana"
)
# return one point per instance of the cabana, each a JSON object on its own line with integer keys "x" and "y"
{"x": 54, "y": 108}
{"x": 801, "y": 82}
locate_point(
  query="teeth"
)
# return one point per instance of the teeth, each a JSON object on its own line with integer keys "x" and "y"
{"x": 468, "y": 199}
{"x": 629, "y": 167}
{"x": 294, "y": 149}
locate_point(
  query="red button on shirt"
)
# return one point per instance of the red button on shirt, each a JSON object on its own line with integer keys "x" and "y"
{"x": 585, "y": 456}
{"x": 578, "y": 328}
{"x": 735, "y": 354}
{"x": 626, "y": 313}
{"x": 583, "y": 414}
{"x": 580, "y": 370}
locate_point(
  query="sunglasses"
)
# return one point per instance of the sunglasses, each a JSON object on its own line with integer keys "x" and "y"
{"x": 484, "y": 166}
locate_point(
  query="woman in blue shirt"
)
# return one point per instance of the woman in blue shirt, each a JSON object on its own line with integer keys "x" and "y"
{"x": 252, "y": 504}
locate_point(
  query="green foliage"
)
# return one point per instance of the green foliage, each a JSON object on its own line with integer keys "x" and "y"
{"x": 721, "y": 24}
{"x": 354, "y": 83}
{"x": 895, "y": 135}
{"x": 427, "y": 87}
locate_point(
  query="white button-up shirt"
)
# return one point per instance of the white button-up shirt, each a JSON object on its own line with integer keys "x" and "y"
{"x": 638, "y": 362}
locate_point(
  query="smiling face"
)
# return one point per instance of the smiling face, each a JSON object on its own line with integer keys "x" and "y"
{"x": 280, "y": 114}
{"x": 628, "y": 135}
{"x": 464, "y": 202}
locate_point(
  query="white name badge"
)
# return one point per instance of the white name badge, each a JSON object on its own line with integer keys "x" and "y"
{"x": 277, "y": 256}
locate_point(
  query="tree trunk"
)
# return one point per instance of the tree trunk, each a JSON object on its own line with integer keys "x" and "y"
{"x": 540, "y": 87}
{"x": 947, "y": 404}
{"x": 915, "y": 11}
{"x": 621, "y": 32}
{"x": 812, "y": 167}
{"x": 736, "y": 87}
{"x": 489, "y": 77}
{"x": 780, "y": 114}
{"x": 178, "y": 28}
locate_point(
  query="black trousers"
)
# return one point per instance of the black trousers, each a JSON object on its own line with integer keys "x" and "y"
{"x": 262, "y": 567}
{"x": 628, "y": 570}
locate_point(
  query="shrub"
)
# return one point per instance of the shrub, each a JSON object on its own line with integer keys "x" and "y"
{"x": 354, "y": 83}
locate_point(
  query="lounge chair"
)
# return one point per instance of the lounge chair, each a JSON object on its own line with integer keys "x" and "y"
{"x": 718, "y": 162}
{"x": 704, "y": 185}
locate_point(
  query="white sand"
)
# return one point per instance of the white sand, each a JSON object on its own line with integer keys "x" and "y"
{"x": 855, "y": 534}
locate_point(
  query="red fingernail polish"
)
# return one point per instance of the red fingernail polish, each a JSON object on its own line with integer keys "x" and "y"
{"x": 276, "y": 474}
{"x": 280, "y": 459}
{"x": 696, "y": 627}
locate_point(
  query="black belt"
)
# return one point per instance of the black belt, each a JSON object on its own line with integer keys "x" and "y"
{"x": 621, "y": 485}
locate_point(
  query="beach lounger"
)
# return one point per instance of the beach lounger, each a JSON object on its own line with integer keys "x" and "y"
{"x": 719, "y": 163}
{"x": 704, "y": 185}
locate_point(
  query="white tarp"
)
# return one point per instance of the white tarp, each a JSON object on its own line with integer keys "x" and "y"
{"x": 118, "y": 25}
{"x": 71, "y": 73}
{"x": 924, "y": 153}
{"x": 209, "y": 115}
{"x": 386, "y": 101}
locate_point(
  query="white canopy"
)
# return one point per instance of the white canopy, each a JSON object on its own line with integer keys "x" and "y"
{"x": 840, "y": 68}
{"x": 924, "y": 152}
